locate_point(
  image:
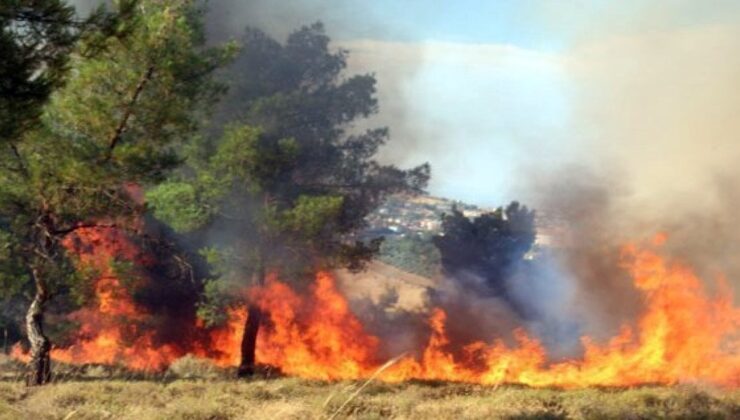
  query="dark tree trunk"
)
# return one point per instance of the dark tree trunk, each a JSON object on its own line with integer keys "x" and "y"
{"x": 251, "y": 329}
{"x": 249, "y": 341}
{"x": 40, "y": 364}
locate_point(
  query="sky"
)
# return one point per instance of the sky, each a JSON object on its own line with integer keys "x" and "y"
{"x": 501, "y": 96}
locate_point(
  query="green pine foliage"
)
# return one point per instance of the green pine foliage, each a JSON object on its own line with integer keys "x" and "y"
{"x": 37, "y": 38}
{"x": 280, "y": 181}
{"x": 115, "y": 123}
{"x": 112, "y": 127}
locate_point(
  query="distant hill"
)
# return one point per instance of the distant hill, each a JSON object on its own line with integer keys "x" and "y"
{"x": 380, "y": 278}
{"x": 408, "y": 262}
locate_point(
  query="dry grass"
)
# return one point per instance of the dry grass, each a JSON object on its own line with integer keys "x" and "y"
{"x": 293, "y": 398}
{"x": 100, "y": 393}
{"x": 378, "y": 278}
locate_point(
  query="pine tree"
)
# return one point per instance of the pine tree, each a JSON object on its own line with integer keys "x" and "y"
{"x": 287, "y": 184}
{"x": 114, "y": 123}
{"x": 36, "y": 40}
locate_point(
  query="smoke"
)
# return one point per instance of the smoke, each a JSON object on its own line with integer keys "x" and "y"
{"x": 651, "y": 125}
{"x": 354, "y": 28}
{"x": 654, "y": 116}
{"x": 394, "y": 65}
{"x": 585, "y": 214}
{"x": 651, "y": 122}
{"x": 226, "y": 19}
{"x": 549, "y": 294}
{"x": 401, "y": 329}
{"x": 660, "y": 108}
{"x": 706, "y": 236}
{"x": 491, "y": 317}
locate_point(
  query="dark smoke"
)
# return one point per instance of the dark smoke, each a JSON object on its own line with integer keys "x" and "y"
{"x": 590, "y": 223}
{"x": 401, "y": 330}
{"x": 595, "y": 214}
{"x": 575, "y": 285}
{"x": 226, "y": 19}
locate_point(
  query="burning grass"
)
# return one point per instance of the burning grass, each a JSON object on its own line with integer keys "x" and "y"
{"x": 685, "y": 335}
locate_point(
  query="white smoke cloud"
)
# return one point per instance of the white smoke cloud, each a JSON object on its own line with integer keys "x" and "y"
{"x": 475, "y": 111}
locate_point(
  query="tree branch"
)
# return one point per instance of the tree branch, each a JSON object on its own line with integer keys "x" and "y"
{"x": 122, "y": 125}
{"x": 21, "y": 166}
{"x": 78, "y": 226}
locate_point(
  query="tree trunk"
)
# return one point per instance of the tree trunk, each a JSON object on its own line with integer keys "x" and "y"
{"x": 249, "y": 341}
{"x": 40, "y": 364}
{"x": 251, "y": 329}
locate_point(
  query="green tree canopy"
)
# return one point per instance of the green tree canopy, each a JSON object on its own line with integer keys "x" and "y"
{"x": 488, "y": 246}
{"x": 113, "y": 125}
{"x": 288, "y": 182}
{"x": 36, "y": 39}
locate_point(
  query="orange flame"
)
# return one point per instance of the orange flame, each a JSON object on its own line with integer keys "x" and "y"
{"x": 108, "y": 331}
{"x": 684, "y": 334}
{"x": 314, "y": 337}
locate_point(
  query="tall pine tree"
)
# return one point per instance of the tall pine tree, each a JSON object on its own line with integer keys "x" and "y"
{"x": 288, "y": 183}
{"x": 115, "y": 122}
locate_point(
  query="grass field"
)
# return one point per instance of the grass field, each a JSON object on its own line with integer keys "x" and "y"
{"x": 196, "y": 392}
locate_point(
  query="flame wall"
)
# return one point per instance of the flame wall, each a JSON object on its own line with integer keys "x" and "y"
{"x": 684, "y": 333}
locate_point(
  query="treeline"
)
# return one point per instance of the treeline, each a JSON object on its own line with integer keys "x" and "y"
{"x": 239, "y": 159}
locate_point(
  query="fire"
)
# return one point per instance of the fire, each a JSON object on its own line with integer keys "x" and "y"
{"x": 316, "y": 336}
{"x": 226, "y": 341}
{"x": 109, "y": 332}
{"x": 685, "y": 334}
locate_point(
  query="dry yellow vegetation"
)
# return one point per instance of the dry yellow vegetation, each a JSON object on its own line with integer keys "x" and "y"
{"x": 194, "y": 391}
{"x": 379, "y": 278}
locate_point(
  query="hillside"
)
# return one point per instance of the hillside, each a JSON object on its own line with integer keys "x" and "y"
{"x": 380, "y": 278}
